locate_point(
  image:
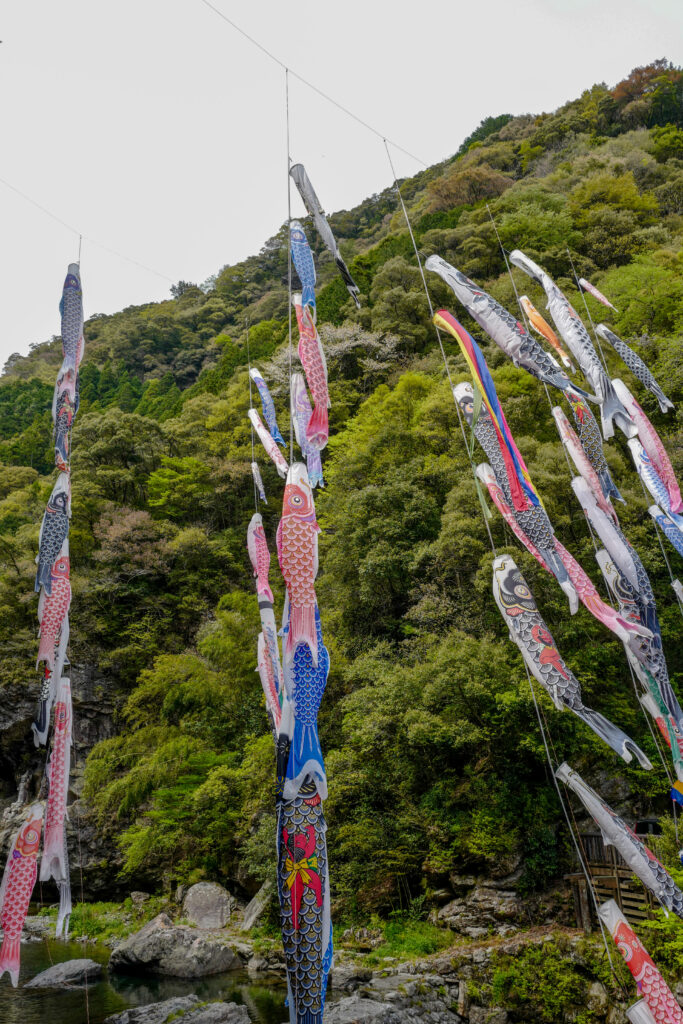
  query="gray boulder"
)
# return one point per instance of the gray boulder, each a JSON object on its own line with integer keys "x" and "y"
{"x": 154, "y": 1013}
{"x": 176, "y": 950}
{"x": 255, "y": 910}
{"x": 70, "y": 972}
{"x": 207, "y": 905}
{"x": 356, "y": 1009}
{"x": 217, "y": 1013}
{"x": 348, "y": 976}
{"x": 482, "y": 909}
{"x": 184, "y": 1009}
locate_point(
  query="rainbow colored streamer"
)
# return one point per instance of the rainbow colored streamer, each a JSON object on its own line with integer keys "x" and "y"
{"x": 522, "y": 490}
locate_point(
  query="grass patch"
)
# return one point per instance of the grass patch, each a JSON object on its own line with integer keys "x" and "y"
{"x": 405, "y": 938}
{"x": 102, "y": 921}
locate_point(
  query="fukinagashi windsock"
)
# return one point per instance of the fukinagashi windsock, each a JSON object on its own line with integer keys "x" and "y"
{"x": 268, "y": 442}
{"x": 652, "y": 443}
{"x": 538, "y": 649}
{"x": 509, "y": 469}
{"x": 592, "y": 290}
{"x": 312, "y": 358}
{"x": 53, "y": 863}
{"x": 304, "y": 265}
{"x": 53, "y": 608}
{"x": 71, "y": 309}
{"x": 651, "y": 985}
{"x": 307, "y": 682}
{"x": 268, "y": 406}
{"x": 258, "y": 482}
{"x": 542, "y": 327}
{"x": 315, "y": 210}
{"x": 578, "y": 587}
{"x": 635, "y": 365}
{"x": 259, "y": 555}
{"x": 485, "y": 474}
{"x": 53, "y": 531}
{"x": 506, "y": 330}
{"x": 520, "y": 487}
{"x": 16, "y": 889}
{"x": 669, "y": 528}
{"x": 581, "y": 461}
{"x": 578, "y": 340}
{"x": 301, "y": 417}
{"x": 616, "y": 833}
{"x": 297, "y": 550}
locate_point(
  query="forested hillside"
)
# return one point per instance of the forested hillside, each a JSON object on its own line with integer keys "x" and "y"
{"x": 434, "y": 756}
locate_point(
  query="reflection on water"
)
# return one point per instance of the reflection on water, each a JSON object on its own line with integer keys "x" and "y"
{"x": 265, "y": 999}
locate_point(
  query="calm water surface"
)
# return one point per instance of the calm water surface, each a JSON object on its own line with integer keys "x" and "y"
{"x": 265, "y": 999}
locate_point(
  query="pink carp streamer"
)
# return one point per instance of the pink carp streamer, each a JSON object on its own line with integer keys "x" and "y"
{"x": 16, "y": 889}
{"x": 297, "y": 551}
{"x": 592, "y": 290}
{"x": 313, "y": 361}
{"x": 651, "y": 985}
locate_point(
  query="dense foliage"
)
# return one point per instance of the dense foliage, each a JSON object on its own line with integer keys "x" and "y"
{"x": 434, "y": 755}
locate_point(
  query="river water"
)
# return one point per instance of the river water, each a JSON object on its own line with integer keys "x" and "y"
{"x": 264, "y": 999}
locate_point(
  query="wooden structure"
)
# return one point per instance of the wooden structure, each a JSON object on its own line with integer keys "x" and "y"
{"x": 612, "y": 879}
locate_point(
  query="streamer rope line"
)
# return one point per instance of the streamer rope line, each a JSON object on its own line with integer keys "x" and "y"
{"x": 577, "y": 845}
{"x": 289, "y": 269}
{"x": 306, "y": 81}
{"x": 438, "y": 336}
{"x": 82, "y": 237}
{"x": 588, "y": 312}
{"x": 512, "y": 280}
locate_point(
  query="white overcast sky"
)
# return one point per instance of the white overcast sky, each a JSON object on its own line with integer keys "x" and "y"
{"x": 155, "y": 129}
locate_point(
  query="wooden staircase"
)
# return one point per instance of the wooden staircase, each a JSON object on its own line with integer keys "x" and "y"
{"x": 612, "y": 879}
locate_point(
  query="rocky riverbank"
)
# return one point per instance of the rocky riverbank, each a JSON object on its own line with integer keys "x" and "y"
{"x": 540, "y": 974}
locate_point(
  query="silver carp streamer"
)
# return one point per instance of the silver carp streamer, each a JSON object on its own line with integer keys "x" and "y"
{"x": 616, "y": 833}
{"x": 504, "y": 328}
{"x": 315, "y": 210}
{"x": 576, "y": 336}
